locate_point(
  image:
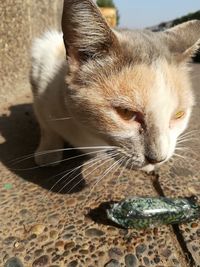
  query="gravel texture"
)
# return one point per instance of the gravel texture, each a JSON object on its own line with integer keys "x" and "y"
{"x": 42, "y": 224}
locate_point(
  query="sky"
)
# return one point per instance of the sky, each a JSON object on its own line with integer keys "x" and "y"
{"x": 145, "y": 13}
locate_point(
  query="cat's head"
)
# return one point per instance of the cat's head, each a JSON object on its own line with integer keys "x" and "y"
{"x": 129, "y": 88}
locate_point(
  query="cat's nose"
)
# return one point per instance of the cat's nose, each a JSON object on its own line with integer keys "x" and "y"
{"x": 152, "y": 160}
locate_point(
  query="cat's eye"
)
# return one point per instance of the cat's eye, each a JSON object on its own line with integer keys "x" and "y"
{"x": 125, "y": 113}
{"x": 179, "y": 115}
{"x": 128, "y": 115}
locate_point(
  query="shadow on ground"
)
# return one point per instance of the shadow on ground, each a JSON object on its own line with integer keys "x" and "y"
{"x": 20, "y": 132}
{"x": 99, "y": 214}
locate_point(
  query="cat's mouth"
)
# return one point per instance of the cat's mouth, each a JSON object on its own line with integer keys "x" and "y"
{"x": 133, "y": 161}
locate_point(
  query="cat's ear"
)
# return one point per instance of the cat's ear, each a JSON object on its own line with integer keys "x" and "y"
{"x": 184, "y": 40}
{"x": 86, "y": 33}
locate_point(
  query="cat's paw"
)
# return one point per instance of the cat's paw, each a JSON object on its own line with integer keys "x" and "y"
{"x": 46, "y": 158}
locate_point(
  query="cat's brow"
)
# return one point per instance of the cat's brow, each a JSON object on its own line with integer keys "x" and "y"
{"x": 124, "y": 103}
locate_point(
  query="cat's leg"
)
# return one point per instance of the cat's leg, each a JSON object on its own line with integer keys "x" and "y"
{"x": 49, "y": 151}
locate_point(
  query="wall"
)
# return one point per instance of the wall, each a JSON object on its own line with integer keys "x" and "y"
{"x": 21, "y": 21}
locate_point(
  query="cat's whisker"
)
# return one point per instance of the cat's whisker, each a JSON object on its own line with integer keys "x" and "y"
{"x": 184, "y": 157}
{"x": 187, "y": 137}
{"x": 191, "y": 130}
{"x": 115, "y": 171}
{"x": 60, "y": 119}
{"x": 70, "y": 170}
{"x": 190, "y": 134}
{"x": 190, "y": 151}
{"x": 193, "y": 76}
{"x": 60, "y": 173}
{"x": 84, "y": 164}
{"x": 175, "y": 154}
{"x": 181, "y": 148}
{"x": 64, "y": 172}
{"x": 97, "y": 181}
{"x": 90, "y": 166}
{"x": 132, "y": 167}
{"x": 105, "y": 155}
{"x": 26, "y": 157}
{"x": 186, "y": 149}
{"x": 60, "y": 161}
{"x": 195, "y": 131}
{"x": 70, "y": 190}
{"x": 186, "y": 140}
{"x": 124, "y": 167}
{"x": 69, "y": 174}
{"x": 118, "y": 168}
{"x": 104, "y": 174}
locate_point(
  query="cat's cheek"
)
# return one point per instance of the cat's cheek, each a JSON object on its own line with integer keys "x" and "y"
{"x": 174, "y": 132}
{"x": 177, "y": 127}
{"x": 172, "y": 144}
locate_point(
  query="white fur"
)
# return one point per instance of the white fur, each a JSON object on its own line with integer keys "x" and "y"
{"x": 49, "y": 68}
{"x": 46, "y": 61}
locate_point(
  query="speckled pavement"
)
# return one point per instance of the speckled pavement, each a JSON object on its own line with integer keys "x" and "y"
{"x": 43, "y": 224}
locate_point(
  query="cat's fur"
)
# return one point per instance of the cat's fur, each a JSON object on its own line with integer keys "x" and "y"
{"x": 106, "y": 69}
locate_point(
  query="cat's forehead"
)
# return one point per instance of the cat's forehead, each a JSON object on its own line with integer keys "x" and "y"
{"x": 145, "y": 86}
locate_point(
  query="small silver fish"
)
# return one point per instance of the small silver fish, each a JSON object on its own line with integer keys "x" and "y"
{"x": 146, "y": 212}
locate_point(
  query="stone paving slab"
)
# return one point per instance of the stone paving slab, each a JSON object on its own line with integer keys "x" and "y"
{"x": 44, "y": 229}
{"x": 41, "y": 227}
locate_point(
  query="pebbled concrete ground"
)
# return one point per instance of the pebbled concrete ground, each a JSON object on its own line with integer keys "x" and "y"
{"x": 43, "y": 224}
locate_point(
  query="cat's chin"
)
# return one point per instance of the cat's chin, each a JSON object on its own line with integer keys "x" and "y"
{"x": 148, "y": 168}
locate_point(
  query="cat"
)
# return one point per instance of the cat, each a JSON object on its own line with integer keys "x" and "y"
{"x": 94, "y": 86}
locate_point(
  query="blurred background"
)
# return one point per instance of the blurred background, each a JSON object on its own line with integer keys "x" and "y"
{"x": 23, "y": 20}
{"x": 144, "y": 13}
{"x": 155, "y": 15}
